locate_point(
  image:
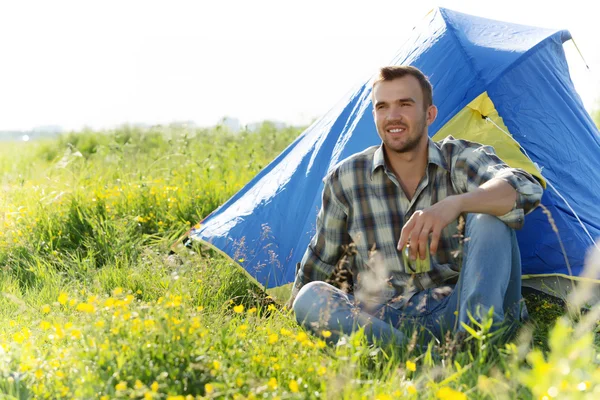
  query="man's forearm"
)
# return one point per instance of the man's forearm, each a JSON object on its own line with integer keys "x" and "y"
{"x": 495, "y": 197}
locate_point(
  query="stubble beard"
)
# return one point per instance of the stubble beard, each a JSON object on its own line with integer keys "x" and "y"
{"x": 412, "y": 142}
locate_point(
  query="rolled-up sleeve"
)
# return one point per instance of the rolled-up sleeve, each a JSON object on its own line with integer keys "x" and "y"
{"x": 327, "y": 245}
{"x": 476, "y": 165}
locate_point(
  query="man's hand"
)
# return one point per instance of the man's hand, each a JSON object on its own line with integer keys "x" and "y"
{"x": 431, "y": 220}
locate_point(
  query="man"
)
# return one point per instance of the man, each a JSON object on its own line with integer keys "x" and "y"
{"x": 411, "y": 191}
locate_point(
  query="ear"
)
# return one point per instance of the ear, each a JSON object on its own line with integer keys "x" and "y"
{"x": 432, "y": 112}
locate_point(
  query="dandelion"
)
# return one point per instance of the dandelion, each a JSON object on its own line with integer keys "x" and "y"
{"x": 19, "y": 337}
{"x": 138, "y": 384}
{"x": 63, "y": 298}
{"x": 321, "y": 344}
{"x": 271, "y": 307}
{"x": 326, "y": 334}
{"x": 121, "y": 386}
{"x": 411, "y": 366}
{"x": 45, "y": 308}
{"x": 447, "y": 393}
{"x": 75, "y": 333}
{"x": 285, "y": 332}
{"x": 301, "y": 337}
{"x": 99, "y": 324}
{"x": 294, "y": 386}
{"x": 154, "y": 386}
{"x": 45, "y": 325}
{"x": 208, "y": 388}
{"x": 272, "y": 383}
{"x": 273, "y": 338}
{"x": 239, "y": 309}
{"x": 117, "y": 291}
{"x": 411, "y": 388}
{"x": 86, "y": 308}
{"x": 148, "y": 396}
{"x": 252, "y": 310}
{"x": 216, "y": 365}
{"x": 321, "y": 370}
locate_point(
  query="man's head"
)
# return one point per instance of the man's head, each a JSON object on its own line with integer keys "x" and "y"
{"x": 402, "y": 107}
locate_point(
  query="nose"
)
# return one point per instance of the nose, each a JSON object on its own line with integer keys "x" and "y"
{"x": 395, "y": 114}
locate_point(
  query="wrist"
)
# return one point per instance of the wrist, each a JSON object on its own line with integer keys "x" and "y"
{"x": 458, "y": 202}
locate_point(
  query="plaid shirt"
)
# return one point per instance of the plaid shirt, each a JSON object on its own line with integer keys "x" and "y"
{"x": 364, "y": 204}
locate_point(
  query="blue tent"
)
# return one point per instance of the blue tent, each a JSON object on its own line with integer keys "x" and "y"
{"x": 494, "y": 82}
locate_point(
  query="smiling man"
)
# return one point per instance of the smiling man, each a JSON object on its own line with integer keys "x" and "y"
{"x": 407, "y": 195}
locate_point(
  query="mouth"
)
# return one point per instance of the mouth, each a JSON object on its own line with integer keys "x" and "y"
{"x": 395, "y": 130}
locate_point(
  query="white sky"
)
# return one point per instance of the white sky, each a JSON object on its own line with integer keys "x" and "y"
{"x": 104, "y": 63}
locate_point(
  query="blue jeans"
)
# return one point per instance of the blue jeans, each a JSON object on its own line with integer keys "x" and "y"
{"x": 490, "y": 277}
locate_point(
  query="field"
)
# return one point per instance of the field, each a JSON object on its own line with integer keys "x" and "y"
{"x": 93, "y": 308}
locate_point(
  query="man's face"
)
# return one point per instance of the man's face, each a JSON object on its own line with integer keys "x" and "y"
{"x": 400, "y": 115}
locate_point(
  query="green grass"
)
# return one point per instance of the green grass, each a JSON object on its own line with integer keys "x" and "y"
{"x": 92, "y": 307}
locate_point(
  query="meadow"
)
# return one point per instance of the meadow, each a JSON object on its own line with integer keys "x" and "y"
{"x": 92, "y": 306}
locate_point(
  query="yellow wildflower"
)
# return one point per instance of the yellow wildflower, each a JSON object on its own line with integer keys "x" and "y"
{"x": 208, "y": 388}
{"x": 75, "y": 333}
{"x": 216, "y": 365}
{"x": 252, "y": 310}
{"x": 321, "y": 370}
{"x": 45, "y": 325}
{"x": 383, "y": 396}
{"x": 411, "y": 366}
{"x": 86, "y": 307}
{"x": 99, "y": 324}
{"x": 63, "y": 298}
{"x": 285, "y": 332}
{"x": 294, "y": 386}
{"x": 301, "y": 336}
{"x": 138, "y": 384}
{"x": 117, "y": 291}
{"x": 272, "y": 383}
{"x": 271, "y": 307}
{"x": 326, "y": 334}
{"x": 447, "y": 393}
{"x": 154, "y": 386}
{"x": 411, "y": 388}
{"x": 148, "y": 396}
{"x": 19, "y": 337}
{"x": 121, "y": 386}
{"x": 45, "y": 308}
{"x": 239, "y": 309}
{"x": 273, "y": 338}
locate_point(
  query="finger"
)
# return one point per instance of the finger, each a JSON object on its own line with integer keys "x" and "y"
{"x": 405, "y": 234}
{"x": 423, "y": 239}
{"x": 414, "y": 239}
{"x": 435, "y": 239}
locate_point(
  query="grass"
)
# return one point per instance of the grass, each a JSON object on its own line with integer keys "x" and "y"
{"x": 92, "y": 306}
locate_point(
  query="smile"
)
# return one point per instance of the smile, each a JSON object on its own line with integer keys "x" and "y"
{"x": 396, "y": 130}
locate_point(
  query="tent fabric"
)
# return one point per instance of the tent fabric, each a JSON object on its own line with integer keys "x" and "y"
{"x": 267, "y": 225}
{"x": 479, "y": 122}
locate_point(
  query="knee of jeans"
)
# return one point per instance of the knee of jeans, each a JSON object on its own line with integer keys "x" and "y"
{"x": 485, "y": 225}
{"x": 310, "y": 299}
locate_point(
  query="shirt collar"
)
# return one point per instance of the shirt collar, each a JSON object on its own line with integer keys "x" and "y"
{"x": 435, "y": 156}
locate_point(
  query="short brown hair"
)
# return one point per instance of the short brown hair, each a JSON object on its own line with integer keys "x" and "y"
{"x": 390, "y": 73}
